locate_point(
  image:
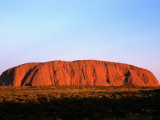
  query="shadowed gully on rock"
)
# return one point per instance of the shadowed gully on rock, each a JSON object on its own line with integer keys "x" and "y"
{"x": 82, "y": 72}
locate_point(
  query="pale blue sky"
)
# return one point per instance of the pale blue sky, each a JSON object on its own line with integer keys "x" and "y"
{"x": 126, "y": 31}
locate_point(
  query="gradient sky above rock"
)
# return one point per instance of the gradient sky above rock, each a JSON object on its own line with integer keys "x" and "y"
{"x": 126, "y": 31}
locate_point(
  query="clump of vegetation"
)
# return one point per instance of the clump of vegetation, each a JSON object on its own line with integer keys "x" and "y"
{"x": 79, "y": 102}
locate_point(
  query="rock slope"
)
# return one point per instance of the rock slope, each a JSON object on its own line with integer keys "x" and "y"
{"x": 82, "y": 72}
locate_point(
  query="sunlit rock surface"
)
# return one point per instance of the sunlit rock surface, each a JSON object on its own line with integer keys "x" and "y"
{"x": 82, "y": 72}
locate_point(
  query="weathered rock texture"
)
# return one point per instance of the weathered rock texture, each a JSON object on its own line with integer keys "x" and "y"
{"x": 82, "y": 72}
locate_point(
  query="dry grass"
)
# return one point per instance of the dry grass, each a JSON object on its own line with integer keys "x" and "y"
{"x": 25, "y": 94}
{"x": 79, "y": 102}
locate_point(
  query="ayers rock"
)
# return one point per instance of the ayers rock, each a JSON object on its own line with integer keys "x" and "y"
{"x": 82, "y": 72}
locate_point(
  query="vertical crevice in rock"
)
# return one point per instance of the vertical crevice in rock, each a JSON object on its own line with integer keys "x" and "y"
{"x": 30, "y": 82}
{"x": 127, "y": 77}
{"x": 27, "y": 75}
{"x": 94, "y": 76}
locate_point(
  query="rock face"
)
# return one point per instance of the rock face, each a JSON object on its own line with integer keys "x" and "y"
{"x": 82, "y": 72}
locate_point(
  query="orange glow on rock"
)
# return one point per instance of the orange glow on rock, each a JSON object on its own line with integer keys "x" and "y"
{"x": 82, "y": 72}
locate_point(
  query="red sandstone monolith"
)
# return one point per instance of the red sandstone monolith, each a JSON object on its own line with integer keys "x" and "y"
{"x": 82, "y": 72}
